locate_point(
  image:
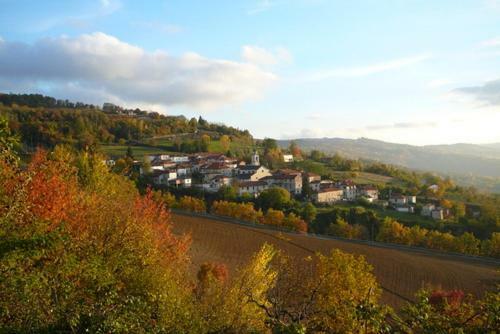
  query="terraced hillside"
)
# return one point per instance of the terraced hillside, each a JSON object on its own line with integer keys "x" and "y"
{"x": 400, "y": 272}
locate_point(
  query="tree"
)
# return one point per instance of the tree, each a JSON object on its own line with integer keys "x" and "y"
{"x": 392, "y": 231}
{"x": 227, "y": 193}
{"x": 269, "y": 144}
{"x": 205, "y": 143}
{"x": 308, "y": 212}
{"x": 275, "y": 197}
{"x": 273, "y": 217}
{"x": 129, "y": 154}
{"x": 295, "y": 149}
{"x": 225, "y": 143}
{"x": 328, "y": 294}
{"x": 8, "y": 141}
{"x": 87, "y": 254}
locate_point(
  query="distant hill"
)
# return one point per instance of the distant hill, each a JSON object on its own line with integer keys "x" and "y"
{"x": 463, "y": 159}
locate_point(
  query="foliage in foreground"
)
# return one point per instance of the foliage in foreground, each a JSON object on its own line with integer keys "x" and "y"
{"x": 82, "y": 251}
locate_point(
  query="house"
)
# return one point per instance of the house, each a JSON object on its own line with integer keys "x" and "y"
{"x": 253, "y": 188}
{"x": 252, "y": 172}
{"x": 184, "y": 182}
{"x": 163, "y": 176}
{"x": 291, "y": 182}
{"x": 178, "y": 159}
{"x": 287, "y": 158}
{"x": 328, "y": 195}
{"x": 216, "y": 183}
{"x": 183, "y": 169}
{"x": 315, "y": 185}
{"x": 427, "y": 210}
{"x": 438, "y": 214}
{"x": 158, "y": 157}
{"x": 210, "y": 170}
{"x": 398, "y": 199}
{"x": 405, "y": 208}
{"x": 312, "y": 177}
{"x": 369, "y": 192}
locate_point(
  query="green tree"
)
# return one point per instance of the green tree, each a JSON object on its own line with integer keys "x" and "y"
{"x": 275, "y": 197}
{"x": 308, "y": 212}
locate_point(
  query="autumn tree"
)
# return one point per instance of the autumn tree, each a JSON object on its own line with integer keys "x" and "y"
{"x": 225, "y": 143}
{"x": 295, "y": 149}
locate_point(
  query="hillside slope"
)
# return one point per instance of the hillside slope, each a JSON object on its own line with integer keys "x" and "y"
{"x": 400, "y": 273}
{"x": 482, "y": 160}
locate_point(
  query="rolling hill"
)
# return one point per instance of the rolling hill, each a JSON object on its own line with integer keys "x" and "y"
{"x": 463, "y": 159}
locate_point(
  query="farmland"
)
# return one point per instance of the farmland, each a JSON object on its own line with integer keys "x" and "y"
{"x": 164, "y": 146}
{"x": 400, "y": 272}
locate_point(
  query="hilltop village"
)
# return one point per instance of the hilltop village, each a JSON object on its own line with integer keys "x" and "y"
{"x": 210, "y": 172}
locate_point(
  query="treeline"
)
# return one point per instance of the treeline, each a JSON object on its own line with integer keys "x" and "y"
{"x": 41, "y": 101}
{"x": 44, "y": 121}
{"x": 362, "y": 224}
{"x": 242, "y": 211}
{"x": 83, "y": 251}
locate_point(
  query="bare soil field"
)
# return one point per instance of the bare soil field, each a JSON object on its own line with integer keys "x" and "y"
{"x": 400, "y": 272}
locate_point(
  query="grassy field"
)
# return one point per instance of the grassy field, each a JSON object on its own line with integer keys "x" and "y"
{"x": 116, "y": 151}
{"x": 400, "y": 273}
{"x": 162, "y": 145}
{"x": 365, "y": 178}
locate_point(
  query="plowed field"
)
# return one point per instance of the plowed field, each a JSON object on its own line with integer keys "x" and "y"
{"x": 400, "y": 272}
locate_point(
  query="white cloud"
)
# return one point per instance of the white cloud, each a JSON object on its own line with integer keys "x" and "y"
{"x": 261, "y": 6}
{"x": 260, "y": 56}
{"x": 362, "y": 71}
{"x": 491, "y": 42}
{"x": 306, "y": 133}
{"x": 439, "y": 83}
{"x": 128, "y": 73}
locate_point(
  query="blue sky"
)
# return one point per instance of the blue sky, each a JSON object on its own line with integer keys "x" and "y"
{"x": 417, "y": 72}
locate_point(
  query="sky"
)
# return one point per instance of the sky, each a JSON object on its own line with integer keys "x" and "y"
{"x": 415, "y": 72}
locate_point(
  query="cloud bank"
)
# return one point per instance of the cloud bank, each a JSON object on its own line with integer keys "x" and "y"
{"x": 101, "y": 64}
{"x": 488, "y": 93}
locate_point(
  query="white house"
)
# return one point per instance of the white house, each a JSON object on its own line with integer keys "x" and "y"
{"x": 369, "y": 192}
{"x": 287, "y": 158}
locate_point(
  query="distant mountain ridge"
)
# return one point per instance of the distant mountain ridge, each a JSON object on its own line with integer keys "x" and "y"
{"x": 464, "y": 159}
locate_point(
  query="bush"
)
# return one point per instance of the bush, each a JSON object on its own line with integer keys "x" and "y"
{"x": 192, "y": 204}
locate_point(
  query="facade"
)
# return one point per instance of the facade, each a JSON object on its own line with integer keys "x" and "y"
{"x": 253, "y": 188}
{"x": 291, "y": 182}
{"x": 328, "y": 196}
{"x": 287, "y": 158}
{"x": 255, "y": 159}
{"x": 369, "y": 192}
{"x": 311, "y": 177}
{"x": 427, "y": 210}
{"x": 437, "y": 214}
{"x": 164, "y": 176}
{"x": 252, "y": 173}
